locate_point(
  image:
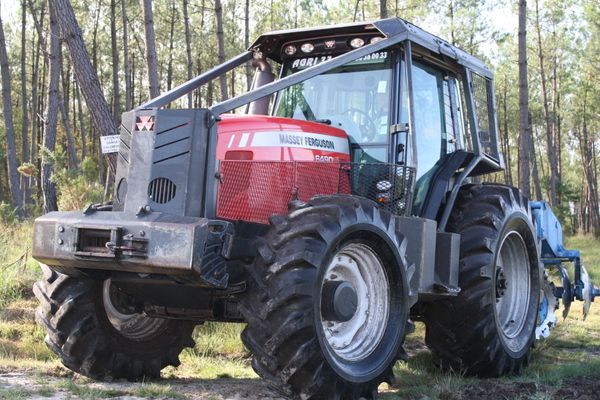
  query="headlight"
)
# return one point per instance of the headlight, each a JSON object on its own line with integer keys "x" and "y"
{"x": 384, "y": 186}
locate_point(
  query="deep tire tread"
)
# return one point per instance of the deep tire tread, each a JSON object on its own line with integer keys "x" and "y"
{"x": 461, "y": 332}
{"x": 280, "y": 332}
{"x": 86, "y": 343}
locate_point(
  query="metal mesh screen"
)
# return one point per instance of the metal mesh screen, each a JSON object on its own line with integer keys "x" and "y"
{"x": 253, "y": 190}
{"x": 387, "y": 184}
{"x": 484, "y": 108}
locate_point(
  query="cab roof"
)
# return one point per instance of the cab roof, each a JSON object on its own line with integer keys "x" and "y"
{"x": 396, "y": 29}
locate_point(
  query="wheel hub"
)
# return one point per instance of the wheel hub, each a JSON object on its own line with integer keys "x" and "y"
{"x": 340, "y": 301}
{"x": 354, "y": 304}
{"x": 513, "y": 290}
{"x": 501, "y": 283}
{"x": 129, "y": 323}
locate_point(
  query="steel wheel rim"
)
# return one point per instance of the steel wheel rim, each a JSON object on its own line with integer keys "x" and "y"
{"x": 356, "y": 339}
{"x": 513, "y": 306}
{"x": 132, "y": 325}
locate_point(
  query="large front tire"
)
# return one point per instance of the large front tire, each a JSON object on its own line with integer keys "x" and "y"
{"x": 96, "y": 337}
{"x": 329, "y": 304}
{"x": 489, "y": 328}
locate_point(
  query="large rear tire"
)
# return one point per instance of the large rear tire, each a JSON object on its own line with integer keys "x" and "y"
{"x": 489, "y": 328}
{"x": 97, "y": 337}
{"x": 329, "y": 304}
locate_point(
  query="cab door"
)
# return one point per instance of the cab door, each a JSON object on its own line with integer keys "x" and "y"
{"x": 437, "y": 123}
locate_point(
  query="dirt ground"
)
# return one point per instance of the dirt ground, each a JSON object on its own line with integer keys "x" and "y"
{"x": 574, "y": 388}
{"x": 47, "y": 387}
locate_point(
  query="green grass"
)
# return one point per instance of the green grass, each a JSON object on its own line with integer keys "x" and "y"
{"x": 210, "y": 368}
{"x": 17, "y": 393}
{"x": 18, "y": 271}
{"x": 418, "y": 378}
{"x": 85, "y": 391}
{"x": 83, "y": 388}
{"x": 20, "y": 336}
{"x": 573, "y": 349}
{"x": 218, "y": 353}
{"x": 590, "y": 254}
{"x": 214, "y": 339}
{"x": 156, "y": 391}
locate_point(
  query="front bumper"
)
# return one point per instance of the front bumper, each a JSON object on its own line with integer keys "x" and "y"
{"x": 151, "y": 243}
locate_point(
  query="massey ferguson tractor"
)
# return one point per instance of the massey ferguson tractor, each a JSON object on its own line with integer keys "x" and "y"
{"x": 339, "y": 204}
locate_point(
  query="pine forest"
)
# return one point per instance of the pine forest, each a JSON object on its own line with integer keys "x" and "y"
{"x": 70, "y": 69}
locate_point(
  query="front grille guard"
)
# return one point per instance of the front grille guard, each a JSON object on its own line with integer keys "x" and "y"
{"x": 253, "y": 190}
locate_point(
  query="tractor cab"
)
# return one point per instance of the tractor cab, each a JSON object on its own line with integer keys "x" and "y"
{"x": 355, "y": 97}
{"x": 358, "y": 98}
{"x": 410, "y": 103}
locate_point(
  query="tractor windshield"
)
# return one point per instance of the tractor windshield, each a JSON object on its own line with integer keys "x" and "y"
{"x": 354, "y": 97}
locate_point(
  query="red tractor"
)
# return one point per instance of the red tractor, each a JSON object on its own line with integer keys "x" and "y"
{"x": 337, "y": 210}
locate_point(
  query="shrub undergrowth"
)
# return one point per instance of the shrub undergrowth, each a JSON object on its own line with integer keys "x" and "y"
{"x": 219, "y": 352}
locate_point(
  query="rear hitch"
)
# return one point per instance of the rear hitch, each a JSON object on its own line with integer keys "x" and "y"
{"x": 554, "y": 255}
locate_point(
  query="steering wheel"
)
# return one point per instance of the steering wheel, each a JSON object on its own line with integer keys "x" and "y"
{"x": 368, "y": 129}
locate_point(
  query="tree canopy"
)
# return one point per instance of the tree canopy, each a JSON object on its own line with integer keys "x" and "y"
{"x": 132, "y": 42}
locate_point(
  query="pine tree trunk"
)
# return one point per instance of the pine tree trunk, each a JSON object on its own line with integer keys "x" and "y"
{"x": 188, "y": 48}
{"x": 383, "y": 9}
{"x": 52, "y": 103}
{"x": 355, "y": 11}
{"x": 116, "y": 103}
{"x": 85, "y": 73}
{"x": 221, "y": 45}
{"x": 65, "y": 79}
{"x": 171, "y": 46}
{"x": 73, "y": 158}
{"x": 24, "y": 103}
{"x": 508, "y": 179}
{"x": 95, "y": 38}
{"x": 452, "y": 24}
{"x": 247, "y": 43}
{"x": 556, "y": 134}
{"x": 536, "y": 175}
{"x": 81, "y": 123}
{"x": 151, "y": 58}
{"x": 525, "y": 141}
{"x": 134, "y": 73}
{"x": 35, "y": 141}
{"x": 199, "y": 98}
{"x": 11, "y": 149}
{"x": 128, "y": 101}
{"x": 592, "y": 216}
{"x": 550, "y": 144}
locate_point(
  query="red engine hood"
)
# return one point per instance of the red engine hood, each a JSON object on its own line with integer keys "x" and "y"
{"x": 259, "y": 137}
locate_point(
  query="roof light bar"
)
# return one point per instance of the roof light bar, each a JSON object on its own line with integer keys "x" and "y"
{"x": 307, "y": 47}
{"x": 357, "y": 42}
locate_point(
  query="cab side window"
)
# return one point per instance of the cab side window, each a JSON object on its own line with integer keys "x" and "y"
{"x": 435, "y": 128}
{"x": 430, "y": 92}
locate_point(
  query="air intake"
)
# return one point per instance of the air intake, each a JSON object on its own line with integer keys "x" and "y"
{"x": 162, "y": 190}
